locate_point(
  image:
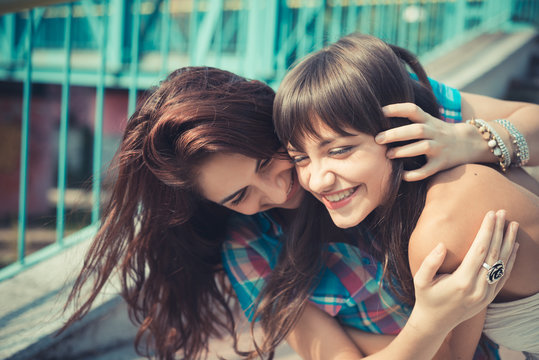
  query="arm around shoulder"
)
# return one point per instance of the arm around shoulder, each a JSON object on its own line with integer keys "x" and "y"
{"x": 456, "y": 202}
{"x": 524, "y": 117}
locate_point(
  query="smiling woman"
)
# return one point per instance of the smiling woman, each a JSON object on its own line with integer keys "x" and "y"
{"x": 328, "y": 111}
{"x": 199, "y": 211}
{"x": 349, "y": 174}
{"x": 247, "y": 185}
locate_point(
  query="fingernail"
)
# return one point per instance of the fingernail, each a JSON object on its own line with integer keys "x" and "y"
{"x": 501, "y": 213}
{"x": 438, "y": 249}
{"x": 514, "y": 226}
{"x": 380, "y": 138}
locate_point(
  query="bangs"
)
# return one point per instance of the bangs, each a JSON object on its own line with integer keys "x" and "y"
{"x": 326, "y": 88}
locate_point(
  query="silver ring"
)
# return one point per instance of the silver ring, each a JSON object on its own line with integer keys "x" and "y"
{"x": 494, "y": 272}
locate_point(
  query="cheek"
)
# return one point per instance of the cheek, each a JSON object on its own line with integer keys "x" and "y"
{"x": 385, "y": 175}
{"x": 303, "y": 176}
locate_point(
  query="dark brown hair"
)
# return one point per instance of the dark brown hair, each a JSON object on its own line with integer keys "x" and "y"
{"x": 346, "y": 85}
{"x": 157, "y": 231}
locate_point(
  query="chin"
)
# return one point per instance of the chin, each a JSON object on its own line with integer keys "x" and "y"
{"x": 344, "y": 223}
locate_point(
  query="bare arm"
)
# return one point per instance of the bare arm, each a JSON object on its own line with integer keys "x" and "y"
{"x": 447, "y": 145}
{"x": 473, "y": 189}
{"x": 442, "y": 303}
{"x": 524, "y": 116}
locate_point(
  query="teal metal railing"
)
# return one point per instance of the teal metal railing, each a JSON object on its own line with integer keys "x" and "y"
{"x": 130, "y": 45}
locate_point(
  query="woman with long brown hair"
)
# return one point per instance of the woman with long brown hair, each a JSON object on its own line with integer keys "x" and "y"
{"x": 327, "y": 111}
{"x": 164, "y": 228}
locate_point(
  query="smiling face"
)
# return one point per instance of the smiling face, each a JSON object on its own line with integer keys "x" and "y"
{"x": 248, "y": 185}
{"x": 348, "y": 174}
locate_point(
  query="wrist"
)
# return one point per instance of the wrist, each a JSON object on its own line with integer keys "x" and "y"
{"x": 475, "y": 148}
{"x": 478, "y": 141}
{"x": 426, "y": 323}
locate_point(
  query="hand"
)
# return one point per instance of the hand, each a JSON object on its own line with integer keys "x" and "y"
{"x": 444, "y": 144}
{"x": 444, "y": 301}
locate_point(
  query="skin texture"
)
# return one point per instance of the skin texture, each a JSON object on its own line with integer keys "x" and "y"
{"x": 442, "y": 144}
{"x": 474, "y": 188}
{"x": 425, "y": 330}
{"x": 247, "y": 185}
{"x": 330, "y": 163}
{"x": 447, "y": 145}
{"x": 349, "y": 175}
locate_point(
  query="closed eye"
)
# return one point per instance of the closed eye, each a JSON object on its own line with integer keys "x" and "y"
{"x": 239, "y": 198}
{"x": 341, "y": 150}
{"x": 299, "y": 159}
{"x": 263, "y": 164}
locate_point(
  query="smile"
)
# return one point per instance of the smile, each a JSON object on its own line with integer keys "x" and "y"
{"x": 339, "y": 199}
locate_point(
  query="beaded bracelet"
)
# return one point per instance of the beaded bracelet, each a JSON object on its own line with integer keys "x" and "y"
{"x": 522, "y": 154}
{"x": 494, "y": 141}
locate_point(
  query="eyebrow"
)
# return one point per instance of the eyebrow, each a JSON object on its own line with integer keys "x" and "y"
{"x": 232, "y": 196}
{"x": 322, "y": 143}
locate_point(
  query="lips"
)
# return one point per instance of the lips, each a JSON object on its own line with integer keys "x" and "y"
{"x": 339, "y": 199}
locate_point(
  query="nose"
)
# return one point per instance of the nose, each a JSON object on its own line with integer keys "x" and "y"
{"x": 320, "y": 178}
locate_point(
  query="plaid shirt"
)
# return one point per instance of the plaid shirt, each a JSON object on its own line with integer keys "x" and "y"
{"x": 351, "y": 288}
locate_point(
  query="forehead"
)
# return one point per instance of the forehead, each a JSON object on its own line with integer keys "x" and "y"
{"x": 223, "y": 174}
{"x": 319, "y": 131}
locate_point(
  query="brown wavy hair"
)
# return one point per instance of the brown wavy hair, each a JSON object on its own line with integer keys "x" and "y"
{"x": 156, "y": 230}
{"x": 346, "y": 84}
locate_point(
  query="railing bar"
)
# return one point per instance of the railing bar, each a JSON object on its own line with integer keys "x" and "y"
{"x": 135, "y": 38}
{"x": 165, "y": 37}
{"x": 25, "y": 133}
{"x": 98, "y": 128}
{"x": 64, "y": 126}
{"x": 48, "y": 251}
{"x": 193, "y": 30}
{"x": 218, "y": 38}
{"x": 301, "y": 25}
{"x": 9, "y": 37}
{"x": 241, "y": 49}
{"x": 319, "y": 24}
{"x": 91, "y": 18}
{"x": 365, "y": 18}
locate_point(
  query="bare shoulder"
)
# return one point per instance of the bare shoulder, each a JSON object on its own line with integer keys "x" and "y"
{"x": 456, "y": 203}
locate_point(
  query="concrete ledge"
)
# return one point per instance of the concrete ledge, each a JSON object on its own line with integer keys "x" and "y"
{"x": 31, "y": 313}
{"x": 486, "y": 64}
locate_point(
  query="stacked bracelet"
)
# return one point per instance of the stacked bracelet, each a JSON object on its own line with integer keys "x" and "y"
{"x": 494, "y": 141}
{"x": 522, "y": 154}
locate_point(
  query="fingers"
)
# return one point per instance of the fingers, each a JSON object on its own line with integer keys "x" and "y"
{"x": 508, "y": 254}
{"x": 474, "y": 258}
{"x": 430, "y": 168}
{"x": 419, "y": 130}
{"x": 509, "y": 241}
{"x": 402, "y": 133}
{"x": 430, "y": 265}
{"x": 405, "y": 110}
{"x": 509, "y": 266}
{"x": 497, "y": 237}
{"x": 417, "y": 148}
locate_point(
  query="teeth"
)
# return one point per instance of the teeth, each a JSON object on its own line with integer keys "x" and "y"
{"x": 340, "y": 196}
